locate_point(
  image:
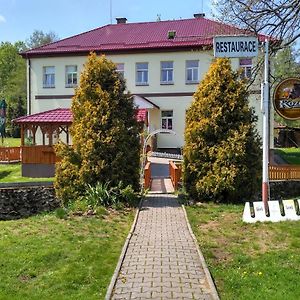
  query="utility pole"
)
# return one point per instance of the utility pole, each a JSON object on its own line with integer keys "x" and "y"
{"x": 266, "y": 130}
{"x": 110, "y": 11}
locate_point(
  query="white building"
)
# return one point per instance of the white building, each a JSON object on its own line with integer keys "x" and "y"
{"x": 162, "y": 63}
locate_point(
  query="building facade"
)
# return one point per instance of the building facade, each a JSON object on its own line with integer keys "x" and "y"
{"x": 162, "y": 62}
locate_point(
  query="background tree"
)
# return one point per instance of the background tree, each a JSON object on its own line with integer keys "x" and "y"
{"x": 279, "y": 19}
{"x": 13, "y": 75}
{"x": 13, "y": 82}
{"x": 105, "y": 134}
{"x": 222, "y": 148}
{"x": 39, "y": 38}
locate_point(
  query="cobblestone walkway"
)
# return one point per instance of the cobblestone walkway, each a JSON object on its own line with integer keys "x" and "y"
{"x": 162, "y": 261}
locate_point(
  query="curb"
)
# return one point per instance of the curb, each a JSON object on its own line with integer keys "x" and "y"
{"x": 114, "y": 278}
{"x": 204, "y": 265}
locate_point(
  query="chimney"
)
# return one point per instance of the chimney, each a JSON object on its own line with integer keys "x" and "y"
{"x": 121, "y": 20}
{"x": 199, "y": 15}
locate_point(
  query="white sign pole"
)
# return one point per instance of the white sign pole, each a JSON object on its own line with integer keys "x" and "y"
{"x": 265, "y": 94}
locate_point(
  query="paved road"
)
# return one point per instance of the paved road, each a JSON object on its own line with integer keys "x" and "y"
{"x": 162, "y": 261}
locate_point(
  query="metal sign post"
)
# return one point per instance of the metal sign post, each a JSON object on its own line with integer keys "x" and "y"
{"x": 265, "y": 113}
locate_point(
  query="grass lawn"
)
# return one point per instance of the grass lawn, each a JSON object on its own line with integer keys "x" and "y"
{"x": 12, "y": 173}
{"x": 290, "y": 155}
{"x": 45, "y": 257}
{"x": 248, "y": 261}
{"x": 11, "y": 142}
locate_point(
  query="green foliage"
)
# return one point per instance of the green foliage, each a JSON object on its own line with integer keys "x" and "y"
{"x": 39, "y": 38}
{"x": 105, "y": 134}
{"x": 101, "y": 194}
{"x": 222, "y": 148}
{"x": 13, "y": 82}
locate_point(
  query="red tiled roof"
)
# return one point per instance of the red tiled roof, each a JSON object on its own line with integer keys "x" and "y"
{"x": 57, "y": 116}
{"x": 195, "y": 32}
{"x": 63, "y": 116}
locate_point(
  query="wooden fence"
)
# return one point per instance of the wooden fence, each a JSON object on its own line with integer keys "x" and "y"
{"x": 175, "y": 173}
{"x": 284, "y": 172}
{"x": 10, "y": 154}
{"x": 38, "y": 155}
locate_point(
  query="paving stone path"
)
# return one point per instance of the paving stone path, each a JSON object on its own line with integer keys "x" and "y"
{"x": 162, "y": 261}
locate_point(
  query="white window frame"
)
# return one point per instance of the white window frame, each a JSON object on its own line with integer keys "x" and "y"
{"x": 168, "y": 71}
{"x": 120, "y": 68}
{"x": 246, "y": 68}
{"x": 144, "y": 73}
{"x": 73, "y": 74}
{"x": 194, "y": 72}
{"x": 49, "y": 77}
{"x": 168, "y": 119}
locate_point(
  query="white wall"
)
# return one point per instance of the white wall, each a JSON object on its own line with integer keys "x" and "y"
{"x": 176, "y": 103}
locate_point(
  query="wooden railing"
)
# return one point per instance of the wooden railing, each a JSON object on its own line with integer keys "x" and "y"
{"x": 10, "y": 154}
{"x": 175, "y": 173}
{"x": 38, "y": 155}
{"x": 147, "y": 176}
{"x": 284, "y": 172}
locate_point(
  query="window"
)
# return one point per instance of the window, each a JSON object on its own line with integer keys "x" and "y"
{"x": 142, "y": 73}
{"x": 71, "y": 76}
{"x": 120, "y": 68}
{"x": 166, "y": 73}
{"x": 48, "y": 77}
{"x": 246, "y": 68}
{"x": 192, "y": 71}
{"x": 167, "y": 119}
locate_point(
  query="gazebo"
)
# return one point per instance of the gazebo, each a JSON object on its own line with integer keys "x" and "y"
{"x": 44, "y": 129}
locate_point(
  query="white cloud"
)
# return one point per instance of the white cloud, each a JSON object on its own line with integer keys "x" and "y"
{"x": 2, "y": 19}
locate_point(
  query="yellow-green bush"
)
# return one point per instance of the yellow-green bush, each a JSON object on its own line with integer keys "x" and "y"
{"x": 222, "y": 158}
{"x": 105, "y": 134}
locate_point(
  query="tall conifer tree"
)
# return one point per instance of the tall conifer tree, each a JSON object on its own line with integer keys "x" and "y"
{"x": 105, "y": 133}
{"x": 222, "y": 160}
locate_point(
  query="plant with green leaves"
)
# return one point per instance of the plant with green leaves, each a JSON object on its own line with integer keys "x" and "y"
{"x": 222, "y": 156}
{"x": 105, "y": 134}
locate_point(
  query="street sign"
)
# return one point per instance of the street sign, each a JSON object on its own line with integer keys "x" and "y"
{"x": 235, "y": 46}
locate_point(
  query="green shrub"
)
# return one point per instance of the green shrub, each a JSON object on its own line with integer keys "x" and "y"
{"x": 100, "y": 195}
{"x": 61, "y": 213}
{"x": 105, "y": 134}
{"x": 222, "y": 157}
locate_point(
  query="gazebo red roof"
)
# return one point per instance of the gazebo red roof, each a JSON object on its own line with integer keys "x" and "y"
{"x": 61, "y": 116}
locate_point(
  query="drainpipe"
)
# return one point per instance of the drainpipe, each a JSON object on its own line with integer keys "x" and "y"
{"x": 28, "y": 86}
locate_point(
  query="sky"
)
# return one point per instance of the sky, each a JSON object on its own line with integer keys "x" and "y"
{"x": 19, "y": 18}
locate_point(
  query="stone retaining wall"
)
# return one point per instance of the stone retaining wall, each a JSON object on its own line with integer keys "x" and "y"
{"x": 23, "y": 202}
{"x": 284, "y": 189}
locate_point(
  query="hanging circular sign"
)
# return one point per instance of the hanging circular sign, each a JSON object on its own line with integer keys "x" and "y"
{"x": 286, "y": 99}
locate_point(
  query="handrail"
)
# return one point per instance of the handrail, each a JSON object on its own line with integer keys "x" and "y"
{"x": 147, "y": 176}
{"x": 175, "y": 174}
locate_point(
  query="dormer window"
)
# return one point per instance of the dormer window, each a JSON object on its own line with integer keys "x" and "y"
{"x": 171, "y": 34}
